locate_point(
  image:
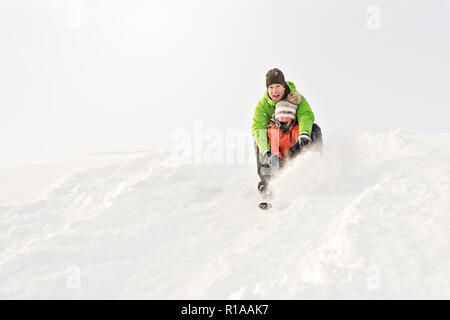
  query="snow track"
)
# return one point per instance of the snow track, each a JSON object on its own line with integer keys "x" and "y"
{"x": 367, "y": 218}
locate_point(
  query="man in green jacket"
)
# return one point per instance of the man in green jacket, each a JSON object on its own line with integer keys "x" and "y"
{"x": 309, "y": 133}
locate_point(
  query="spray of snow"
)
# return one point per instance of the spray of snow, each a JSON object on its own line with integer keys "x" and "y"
{"x": 366, "y": 218}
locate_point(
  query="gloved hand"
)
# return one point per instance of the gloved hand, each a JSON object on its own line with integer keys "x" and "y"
{"x": 295, "y": 149}
{"x": 304, "y": 139}
{"x": 270, "y": 159}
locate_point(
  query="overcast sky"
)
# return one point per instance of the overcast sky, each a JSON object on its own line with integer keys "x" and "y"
{"x": 78, "y": 77}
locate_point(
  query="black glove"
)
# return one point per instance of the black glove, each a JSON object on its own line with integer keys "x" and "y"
{"x": 304, "y": 140}
{"x": 294, "y": 149}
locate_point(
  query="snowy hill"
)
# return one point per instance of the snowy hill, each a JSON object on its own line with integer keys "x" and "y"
{"x": 367, "y": 218}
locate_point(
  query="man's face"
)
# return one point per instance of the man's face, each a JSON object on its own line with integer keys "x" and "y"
{"x": 276, "y": 92}
{"x": 285, "y": 121}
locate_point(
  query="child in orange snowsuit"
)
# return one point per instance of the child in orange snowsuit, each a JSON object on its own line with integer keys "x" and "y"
{"x": 283, "y": 131}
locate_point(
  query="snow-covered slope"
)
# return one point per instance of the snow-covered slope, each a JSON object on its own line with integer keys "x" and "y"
{"x": 367, "y": 218}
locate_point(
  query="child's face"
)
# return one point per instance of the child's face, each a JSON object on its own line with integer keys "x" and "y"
{"x": 286, "y": 121}
{"x": 276, "y": 92}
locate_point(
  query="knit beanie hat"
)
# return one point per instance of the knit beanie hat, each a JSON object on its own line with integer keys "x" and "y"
{"x": 275, "y": 76}
{"x": 285, "y": 109}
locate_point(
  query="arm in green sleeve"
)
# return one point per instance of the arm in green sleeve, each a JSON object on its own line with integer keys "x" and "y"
{"x": 259, "y": 128}
{"x": 305, "y": 117}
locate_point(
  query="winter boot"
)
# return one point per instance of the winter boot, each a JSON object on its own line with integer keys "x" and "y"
{"x": 262, "y": 186}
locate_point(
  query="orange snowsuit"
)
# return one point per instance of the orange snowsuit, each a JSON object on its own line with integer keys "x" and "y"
{"x": 280, "y": 141}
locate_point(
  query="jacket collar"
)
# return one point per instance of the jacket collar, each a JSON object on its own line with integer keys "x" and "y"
{"x": 283, "y": 129}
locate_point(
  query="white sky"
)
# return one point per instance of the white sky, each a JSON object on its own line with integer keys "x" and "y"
{"x": 79, "y": 77}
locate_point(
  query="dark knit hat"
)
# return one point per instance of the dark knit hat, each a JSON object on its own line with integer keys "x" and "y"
{"x": 275, "y": 76}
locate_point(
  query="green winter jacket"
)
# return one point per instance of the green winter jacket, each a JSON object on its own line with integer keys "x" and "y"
{"x": 265, "y": 110}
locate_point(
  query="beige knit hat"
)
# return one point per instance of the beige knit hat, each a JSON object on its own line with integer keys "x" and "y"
{"x": 285, "y": 109}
